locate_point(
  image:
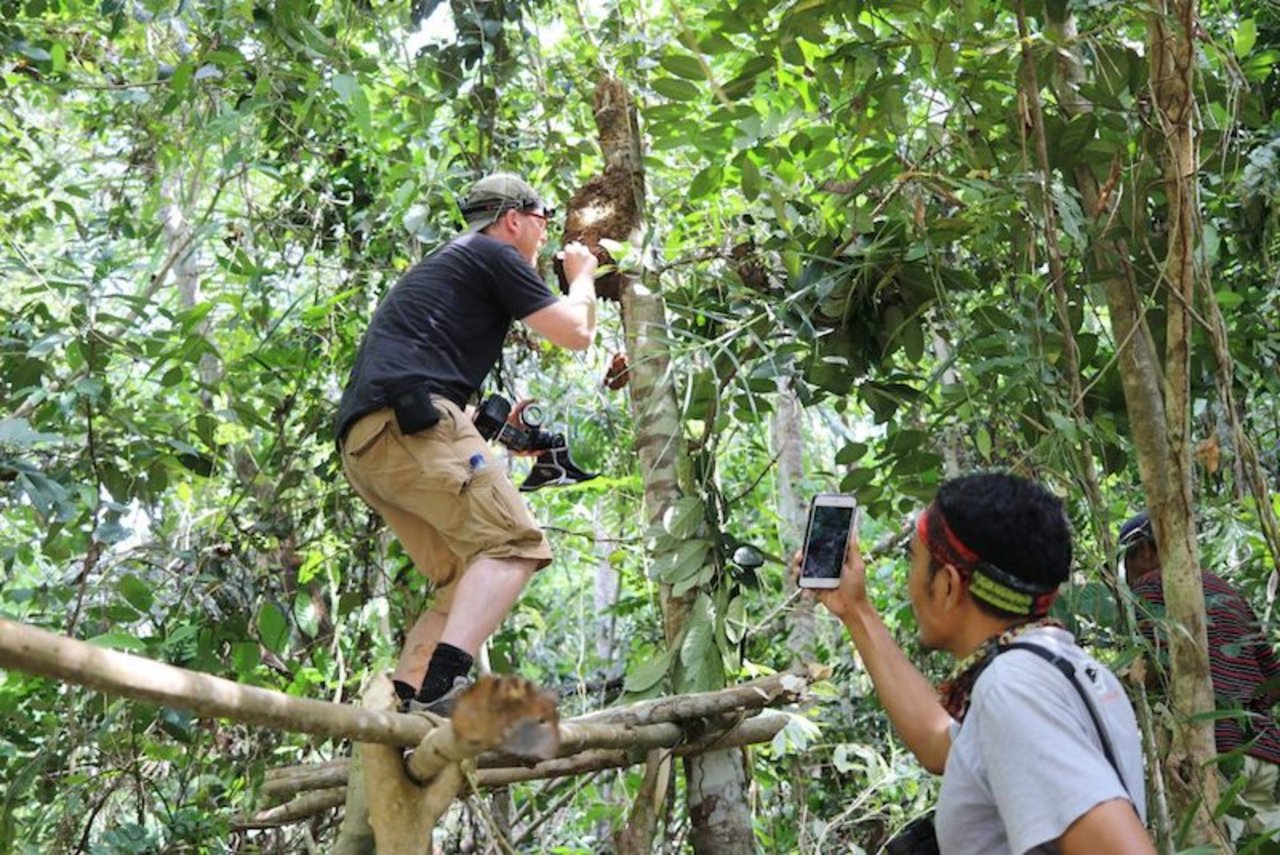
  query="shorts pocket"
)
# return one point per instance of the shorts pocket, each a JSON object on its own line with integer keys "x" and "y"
{"x": 361, "y": 438}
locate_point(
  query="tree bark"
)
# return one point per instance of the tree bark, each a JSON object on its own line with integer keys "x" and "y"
{"x": 636, "y": 836}
{"x": 402, "y": 814}
{"x": 1145, "y": 400}
{"x": 355, "y": 837}
{"x": 718, "y": 806}
{"x": 788, "y": 445}
{"x": 758, "y": 729}
{"x": 606, "y": 591}
{"x": 1085, "y": 464}
{"x": 1193, "y": 785}
{"x": 303, "y": 807}
{"x": 36, "y": 651}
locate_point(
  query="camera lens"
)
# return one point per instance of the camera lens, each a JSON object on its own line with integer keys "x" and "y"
{"x": 532, "y": 416}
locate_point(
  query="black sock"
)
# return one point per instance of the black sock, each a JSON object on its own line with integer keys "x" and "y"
{"x": 403, "y": 690}
{"x": 447, "y": 664}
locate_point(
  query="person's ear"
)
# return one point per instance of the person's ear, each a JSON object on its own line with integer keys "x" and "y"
{"x": 954, "y": 587}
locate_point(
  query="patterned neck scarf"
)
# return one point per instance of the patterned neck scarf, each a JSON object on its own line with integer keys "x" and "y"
{"x": 956, "y": 691}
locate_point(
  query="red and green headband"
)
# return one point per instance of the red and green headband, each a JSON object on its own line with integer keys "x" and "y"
{"x": 985, "y": 581}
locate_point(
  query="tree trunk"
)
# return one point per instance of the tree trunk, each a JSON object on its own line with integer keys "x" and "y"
{"x": 606, "y": 591}
{"x": 717, "y": 781}
{"x": 1193, "y": 785}
{"x": 1162, "y": 464}
{"x": 788, "y": 445}
{"x": 636, "y": 837}
{"x": 184, "y": 247}
{"x": 1085, "y": 465}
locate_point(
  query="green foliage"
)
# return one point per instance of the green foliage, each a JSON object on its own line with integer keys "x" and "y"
{"x": 205, "y": 201}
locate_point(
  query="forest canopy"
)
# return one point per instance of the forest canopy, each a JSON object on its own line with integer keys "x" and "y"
{"x": 893, "y": 242}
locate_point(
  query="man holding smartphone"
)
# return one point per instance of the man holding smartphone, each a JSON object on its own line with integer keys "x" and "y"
{"x": 1029, "y": 756}
{"x": 412, "y": 453}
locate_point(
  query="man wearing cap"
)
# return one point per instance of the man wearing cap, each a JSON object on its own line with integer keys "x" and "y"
{"x": 1242, "y": 665}
{"x": 412, "y": 453}
{"x": 1036, "y": 742}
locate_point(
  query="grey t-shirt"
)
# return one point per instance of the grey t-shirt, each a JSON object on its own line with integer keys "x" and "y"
{"x": 1028, "y": 761}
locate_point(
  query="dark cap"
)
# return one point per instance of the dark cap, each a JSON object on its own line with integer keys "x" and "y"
{"x": 493, "y": 194}
{"x": 1137, "y": 529}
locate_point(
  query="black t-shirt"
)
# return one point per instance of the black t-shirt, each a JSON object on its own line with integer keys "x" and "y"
{"x": 443, "y": 323}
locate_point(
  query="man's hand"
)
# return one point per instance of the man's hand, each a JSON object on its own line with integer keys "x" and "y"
{"x": 852, "y": 590}
{"x": 516, "y": 422}
{"x": 578, "y": 261}
{"x": 571, "y": 321}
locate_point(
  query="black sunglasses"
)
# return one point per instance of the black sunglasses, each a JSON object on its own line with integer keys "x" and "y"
{"x": 536, "y": 209}
{"x": 525, "y": 206}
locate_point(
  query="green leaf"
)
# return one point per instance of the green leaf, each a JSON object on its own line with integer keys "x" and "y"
{"x": 119, "y": 641}
{"x": 245, "y": 657}
{"x": 701, "y": 669}
{"x": 706, "y": 181}
{"x": 683, "y": 562}
{"x": 1228, "y": 300}
{"x": 684, "y": 517}
{"x": 735, "y": 619}
{"x": 648, "y": 673}
{"x": 697, "y": 580}
{"x": 1078, "y": 133}
{"x": 352, "y": 94}
{"x": 173, "y": 377}
{"x": 273, "y": 629}
{"x": 982, "y": 437}
{"x": 715, "y": 43}
{"x": 851, "y": 453}
{"x": 136, "y": 593}
{"x": 306, "y": 615}
{"x": 1246, "y": 37}
{"x": 683, "y": 65}
{"x": 750, "y": 178}
{"x": 38, "y": 54}
{"x": 179, "y": 86}
{"x": 676, "y": 89}
{"x": 18, "y": 433}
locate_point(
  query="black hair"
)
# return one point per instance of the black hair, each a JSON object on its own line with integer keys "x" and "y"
{"x": 1011, "y": 522}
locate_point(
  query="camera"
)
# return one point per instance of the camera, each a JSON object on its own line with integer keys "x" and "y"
{"x": 553, "y": 467}
{"x": 491, "y": 421}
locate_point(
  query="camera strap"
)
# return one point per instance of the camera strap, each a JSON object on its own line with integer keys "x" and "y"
{"x": 501, "y": 378}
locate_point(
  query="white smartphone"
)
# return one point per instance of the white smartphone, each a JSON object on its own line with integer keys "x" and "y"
{"x": 833, "y": 519}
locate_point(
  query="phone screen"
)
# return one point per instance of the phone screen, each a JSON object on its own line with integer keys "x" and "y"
{"x": 828, "y": 538}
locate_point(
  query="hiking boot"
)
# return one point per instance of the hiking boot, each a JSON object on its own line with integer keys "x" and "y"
{"x": 441, "y": 706}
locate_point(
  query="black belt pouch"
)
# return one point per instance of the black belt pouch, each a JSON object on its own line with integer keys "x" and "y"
{"x": 414, "y": 410}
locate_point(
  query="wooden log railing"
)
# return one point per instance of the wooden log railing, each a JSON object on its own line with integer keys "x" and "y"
{"x": 35, "y": 651}
{"x": 753, "y": 731}
{"x": 611, "y": 738}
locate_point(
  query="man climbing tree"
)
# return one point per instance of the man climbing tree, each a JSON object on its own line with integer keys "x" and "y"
{"x": 412, "y": 453}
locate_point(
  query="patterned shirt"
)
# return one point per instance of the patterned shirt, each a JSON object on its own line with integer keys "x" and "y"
{"x": 1244, "y": 668}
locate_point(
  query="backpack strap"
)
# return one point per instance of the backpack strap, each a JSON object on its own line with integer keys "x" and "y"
{"x": 1069, "y": 671}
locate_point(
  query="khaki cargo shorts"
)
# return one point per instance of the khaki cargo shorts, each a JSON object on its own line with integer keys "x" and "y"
{"x": 445, "y": 511}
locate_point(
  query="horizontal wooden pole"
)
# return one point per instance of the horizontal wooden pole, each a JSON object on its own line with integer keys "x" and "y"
{"x": 781, "y": 688}
{"x": 761, "y": 728}
{"x": 646, "y": 724}
{"x": 303, "y": 807}
{"x": 284, "y": 784}
{"x": 35, "y": 651}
